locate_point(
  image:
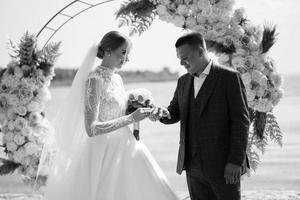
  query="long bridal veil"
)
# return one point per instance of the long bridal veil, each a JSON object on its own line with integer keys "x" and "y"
{"x": 70, "y": 135}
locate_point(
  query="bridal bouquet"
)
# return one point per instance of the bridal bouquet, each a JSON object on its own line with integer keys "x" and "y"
{"x": 138, "y": 98}
{"x": 23, "y": 95}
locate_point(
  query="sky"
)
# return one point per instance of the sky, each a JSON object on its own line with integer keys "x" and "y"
{"x": 154, "y": 49}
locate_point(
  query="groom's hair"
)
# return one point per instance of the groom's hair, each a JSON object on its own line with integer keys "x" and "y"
{"x": 194, "y": 39}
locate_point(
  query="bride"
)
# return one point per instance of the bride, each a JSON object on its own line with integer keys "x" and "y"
{"x": 98, "y": 157}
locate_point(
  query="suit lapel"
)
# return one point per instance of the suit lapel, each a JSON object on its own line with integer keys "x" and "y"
{"x": 207, "y": 88}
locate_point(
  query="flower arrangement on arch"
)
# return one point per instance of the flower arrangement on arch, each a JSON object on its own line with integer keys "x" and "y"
{"x": 23, "y": 94}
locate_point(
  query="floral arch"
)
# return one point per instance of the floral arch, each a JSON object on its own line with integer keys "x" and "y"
{"x": 229, "y": 34}
{"x": 238, "y": 44}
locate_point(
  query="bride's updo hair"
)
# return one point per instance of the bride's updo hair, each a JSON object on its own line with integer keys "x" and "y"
{"x": 111, "y": 41}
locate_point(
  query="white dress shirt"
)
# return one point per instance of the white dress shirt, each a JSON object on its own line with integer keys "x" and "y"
{"x": 198, "y": 81}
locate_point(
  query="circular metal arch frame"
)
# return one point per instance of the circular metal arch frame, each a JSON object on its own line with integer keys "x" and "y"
{"x": 69, "y": 17}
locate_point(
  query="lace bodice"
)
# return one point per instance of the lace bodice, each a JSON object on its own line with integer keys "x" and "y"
{"x": 105, "y": 102}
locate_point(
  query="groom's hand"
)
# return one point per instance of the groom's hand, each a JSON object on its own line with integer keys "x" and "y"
{"x": 232, "y": 173}
{"x": 158, "y": 113}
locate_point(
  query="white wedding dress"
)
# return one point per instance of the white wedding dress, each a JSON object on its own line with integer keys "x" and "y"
{"x": 113, "y": 166}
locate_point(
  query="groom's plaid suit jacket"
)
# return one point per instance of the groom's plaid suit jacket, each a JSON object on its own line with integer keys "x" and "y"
{"x": 221, "y": 132}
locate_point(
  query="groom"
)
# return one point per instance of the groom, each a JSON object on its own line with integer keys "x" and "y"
{"x": 210, "y": 103}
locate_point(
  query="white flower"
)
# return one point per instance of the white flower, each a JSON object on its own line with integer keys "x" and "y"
{"x": 167, "y": 18}
{"x": 257, "y": 76}
{"x": 11, "y": 146}
{"x": 35, "y": 118}
{"x": 10, "y": 125}
{"x": 246, "y": 77}
{"x": 264, "y": 105}
{"x": 31, "y": 148}
{"x": 21, "y": 110}
{"x": 194, "y": 8}
{"x": 207, "y": 11}
{"x": 238, "y": 15}
{"x": 18, "y": 72}
{"x": 3, "y": 119}
{"x": 34, "y": 106}
{"x": 26, "y": 161}
{"x": 182, "y": 10}
{"x": 251, "y": 95}
{"x": 203, "y": 4}
{"x": 13, "y": 64}
{"x": 221, "y": 29}
{"x": 237, "y": 61}
{"x": 19, "y": 139}
{"x": 19, "y": 155}
{"x": 222, "y": 58}
{"x": 26, "y": 131}
{"x": 43, "y": 94}
{"x": 31, "y": 171}
{"x": 201, "y": 19}
{"x": 216, "y": 12}
{"x": 178, "y": 20}
{"x": 276, "y": 96}
{"x": 8, "y": 137}
{"x": 20, "y": 123}
{"x": 191, "y": 22}
{"x": 276, "y": 79}
{"x": 13, "y": 100}
{"x": 228, "y": 40}
{"x": 259, "y": 66}
{"x": 161, "y": 9}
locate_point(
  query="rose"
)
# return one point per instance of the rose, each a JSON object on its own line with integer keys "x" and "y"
{"x": 31, "y": 171}
{"x": 11, "y": 146}
{"x": 13, "y": 100}
{"x": 201, "y": 19}
{"x": 8, "y": 137}
{"x": 21, "y": 110}
{"x": 264, "y": 105}
{"x": 191, "y": 22}
{"x": 20, "y": 123}
{"x": 276, "y": 79}
{"x": 3, "y": 119}
{"x": 18, "y": 72}
{"x": 203, "y": 4}
{"x": 31, "y": 148}
{"x": 161, "y": 9}
{"x": 19, "y": 155}
{"x": 237, "y": 61}
{"x": 178, "y": 20}
{"x": 238, "y": 15}
{"x": 194, "y": 8}
{"x": 19, "y": 139}
{"x": 207, "y": 11}
{"x": 228, "y": 40}
{"x": 276, "y": 96}
{"x": 182, "y": 10}
{"x": 223, "y": 58}
{"x": 26, "y": 131}
{"x": 250, "y": 95}
{"x": 34, "y": 106}
{"x": 245, "y": 40}
{"x": 246, "y": 77}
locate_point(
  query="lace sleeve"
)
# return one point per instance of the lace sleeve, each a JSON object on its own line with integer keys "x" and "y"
{"x": 92, "y": 102}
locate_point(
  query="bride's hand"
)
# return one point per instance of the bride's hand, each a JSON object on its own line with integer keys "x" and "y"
{"x": 141, "y": 113}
